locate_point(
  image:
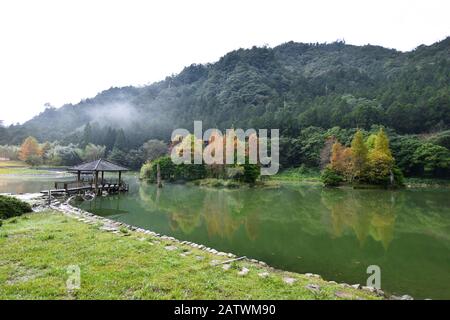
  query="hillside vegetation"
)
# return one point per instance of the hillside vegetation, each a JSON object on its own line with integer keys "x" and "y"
{"x": 308, "y": 91}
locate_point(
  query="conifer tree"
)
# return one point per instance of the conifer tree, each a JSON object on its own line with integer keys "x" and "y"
{"x": 359, "y": 155}
{"x": 382, "y": 143}
{"x": 30, "y": 148}
{"x": 381, "y": 162}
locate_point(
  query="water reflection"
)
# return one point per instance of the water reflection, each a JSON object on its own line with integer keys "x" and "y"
{"x": 223, "y": 211}
{"x": 336, "y": 233}
{"x": 364, "y": 212}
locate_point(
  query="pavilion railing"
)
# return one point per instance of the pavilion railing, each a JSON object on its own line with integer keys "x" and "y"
{"x": 88, "y": 183}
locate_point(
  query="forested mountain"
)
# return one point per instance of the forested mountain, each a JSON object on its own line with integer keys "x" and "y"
{"x": 309, "y": 91}
{"x": 291, "y": 86}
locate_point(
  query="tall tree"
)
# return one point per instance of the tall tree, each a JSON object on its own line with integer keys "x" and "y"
{"x": 341, "y": 160}
{"x": 359, "y": 155}
{"x": 121, "y": 140}
{"x": 87, "y": 135}
{"x": 382, "y": 143}
{"x": 380, "y": 160}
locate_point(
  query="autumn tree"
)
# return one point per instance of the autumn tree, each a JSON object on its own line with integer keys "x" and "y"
{"x": 380, "y": 161}
{"x": 341, "y": 160}
{"x": 336, "y": 162}
{"x": 30, "y": 151}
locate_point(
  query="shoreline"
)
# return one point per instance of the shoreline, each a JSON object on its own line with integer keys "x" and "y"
{"x": 40, "y": 204}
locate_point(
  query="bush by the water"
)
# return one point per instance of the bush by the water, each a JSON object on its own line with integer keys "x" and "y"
{"x": 11, "y": 207}
{"x": 331, "y": 178}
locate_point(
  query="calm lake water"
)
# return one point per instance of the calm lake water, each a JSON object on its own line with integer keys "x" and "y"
{"x": 335, "y": 233}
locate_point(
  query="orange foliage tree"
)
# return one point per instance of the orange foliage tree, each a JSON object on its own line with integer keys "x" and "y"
{"x": 29, "y": 149}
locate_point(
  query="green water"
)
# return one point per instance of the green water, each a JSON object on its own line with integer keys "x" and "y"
{"x": 30, "y": 184}
{"x": 335, "y": 233}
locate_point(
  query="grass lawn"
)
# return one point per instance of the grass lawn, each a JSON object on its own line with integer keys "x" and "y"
{"x": 37, "y": 248}
{"x": 12, "y": 163}
{"x": 298, "y": 175}
{"x": 20, "y": 167}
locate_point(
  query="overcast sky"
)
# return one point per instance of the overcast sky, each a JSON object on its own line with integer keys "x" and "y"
{"x": 62, "y": 51}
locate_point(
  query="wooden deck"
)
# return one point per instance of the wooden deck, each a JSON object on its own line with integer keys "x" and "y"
{"x": 69, "y": 188}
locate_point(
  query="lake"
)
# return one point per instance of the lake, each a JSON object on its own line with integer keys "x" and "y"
{"x": 336, "y": 233}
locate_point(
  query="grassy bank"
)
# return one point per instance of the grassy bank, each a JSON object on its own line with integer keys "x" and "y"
{"x": 427, "y": 183}
{"x": 298, "y": 175}
{"x": 36, "y": 249}
{"x": 21, "y": 168}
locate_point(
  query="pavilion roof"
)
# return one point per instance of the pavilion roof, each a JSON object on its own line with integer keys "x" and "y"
{"x": 98, "y": 165}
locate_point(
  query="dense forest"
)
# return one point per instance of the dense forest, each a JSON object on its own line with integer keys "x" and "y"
{"x": 309, "y": 91}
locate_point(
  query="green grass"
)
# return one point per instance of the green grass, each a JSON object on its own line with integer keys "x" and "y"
{"x": 37, "y": 249}
{"x": 12, "y": 163}
{"x": 219, "y": 183}
{"x": 24, "y": 171}
{"x": 300, "y": 174}
{"x": 20, "y": 168}
{"x": 426, "y": 182}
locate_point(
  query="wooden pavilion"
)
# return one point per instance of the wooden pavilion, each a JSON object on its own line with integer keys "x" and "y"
{"x": 91, "y": 177}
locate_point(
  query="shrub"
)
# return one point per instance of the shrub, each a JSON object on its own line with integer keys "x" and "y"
{"x": 251, "y": 173}
{"x": 331, "y": 178}
{"x": 146, "y": 171}
{"x": 399, "y": 179}
{"x": 190, "y": 172}
{"x": 34, "y": 160}
{"x": 11, "y": 207}
{"x": 167, "y": 167}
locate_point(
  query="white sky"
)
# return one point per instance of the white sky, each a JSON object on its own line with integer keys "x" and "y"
{"x": 62, "y": 51}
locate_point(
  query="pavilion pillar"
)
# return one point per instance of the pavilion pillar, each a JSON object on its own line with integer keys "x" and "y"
{"x": 103, "y": 174}
{"x": 96, "y": 182}
{"x": 120, "y": 177}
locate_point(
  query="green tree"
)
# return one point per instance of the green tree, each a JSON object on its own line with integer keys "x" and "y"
{"x": 251, "y": 172}
{"x": 121, "y": 140}
{"x": 382, "y": 143}
{"x": 380, "y": 161}
{"x": 154, "y": 149}
{"x": 118, "y": 156}
{"x": 93, "y": 152}
{"x": 434, "y": 159}
{"x": 359, "y": 155}
{"x": 87, "y": 135}
{"x": 370, "y": 142}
